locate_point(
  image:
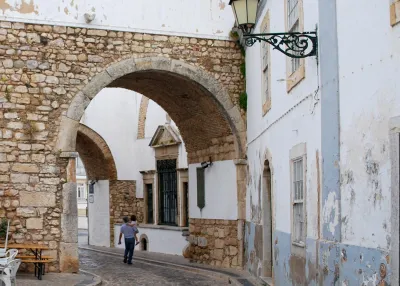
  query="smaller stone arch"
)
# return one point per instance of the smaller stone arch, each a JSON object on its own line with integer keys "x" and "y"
{"x": 144, "y": 242}
{"x": 95, "y": 155}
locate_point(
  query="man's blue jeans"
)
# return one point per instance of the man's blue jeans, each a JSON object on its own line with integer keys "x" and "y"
{"x": 129, "y": 247}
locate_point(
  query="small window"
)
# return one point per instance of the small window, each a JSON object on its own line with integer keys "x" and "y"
{"x": 149, "y": 189}
{"x": 298, "y": 201}
{"x": 298, "y": 170}
{"x": 81, "y": 191}
{"x": 201, "y": 200}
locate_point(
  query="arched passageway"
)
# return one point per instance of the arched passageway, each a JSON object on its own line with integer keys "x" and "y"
{"x": 209, "y": 122}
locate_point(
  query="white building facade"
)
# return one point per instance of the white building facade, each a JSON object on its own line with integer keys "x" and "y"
{"x": 322, "y": 197}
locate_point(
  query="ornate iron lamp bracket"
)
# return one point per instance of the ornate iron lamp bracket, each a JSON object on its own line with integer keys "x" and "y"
{"x": 294, "y": 45}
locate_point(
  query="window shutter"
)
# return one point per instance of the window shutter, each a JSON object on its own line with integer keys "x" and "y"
{"x": 201, "y": 202}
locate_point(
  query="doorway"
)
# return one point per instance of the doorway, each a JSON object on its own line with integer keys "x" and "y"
{"x": 267, "y": 270}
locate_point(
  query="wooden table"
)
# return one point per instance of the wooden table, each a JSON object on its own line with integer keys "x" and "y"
{"x": 37, "y": 259}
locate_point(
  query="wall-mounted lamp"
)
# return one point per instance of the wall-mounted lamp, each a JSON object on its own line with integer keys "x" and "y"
{"x": 206, "y": 164}
{"x": 292, "y": 44}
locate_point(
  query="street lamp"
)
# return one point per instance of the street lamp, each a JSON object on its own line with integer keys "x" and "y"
{"x": 294, "y": 44}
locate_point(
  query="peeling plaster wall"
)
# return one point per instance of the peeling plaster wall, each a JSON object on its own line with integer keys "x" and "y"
{"x": 357, "y": 214}
{"x": 199, "y": 18}
{"x": 369, "y": 97}
{"x": 293, "y": 118}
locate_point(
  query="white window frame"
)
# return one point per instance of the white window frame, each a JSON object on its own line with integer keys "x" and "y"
{"x": 298, "y": 152}
{"x": 295, "y": 70}
{"x": 266, "y": 67}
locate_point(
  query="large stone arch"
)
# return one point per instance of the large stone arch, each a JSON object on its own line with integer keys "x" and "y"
{"x": 95, "y": 154}
{"x": 209, "y": 122}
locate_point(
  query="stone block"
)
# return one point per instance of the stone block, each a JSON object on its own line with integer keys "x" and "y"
{"x": 122, "y": 68}
{"x": 69, "y": 230}
{"x": 218, "y": 254}
{"x": 30, "y": 211}
{"x": 34, "y": 223}
{"x": 20, "y": 178}
{"x": 78, "y": 106}
{"x": 66, "y": 140}
{"x": 219, "y": 243}
{"x": 99, "y": 82}
{"x": 25, "y": 168}
{"x": 70, "y": 205}
{"x": 202, "y": 241}
{"x": 37, "y": 199}
{"x": 69, "y": 260}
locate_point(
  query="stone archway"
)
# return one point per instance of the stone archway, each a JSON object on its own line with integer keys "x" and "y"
{"x": 95, "y": 154}
{"x": 196, "y": 101}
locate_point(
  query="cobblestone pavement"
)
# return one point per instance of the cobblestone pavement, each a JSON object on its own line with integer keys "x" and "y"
{"x": 114, "y": 272}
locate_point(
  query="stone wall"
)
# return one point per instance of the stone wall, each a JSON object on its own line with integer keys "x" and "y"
{"x": 215, "y": 242}
{"x": 43, "y": 68}
{"x": 123, "y": 202}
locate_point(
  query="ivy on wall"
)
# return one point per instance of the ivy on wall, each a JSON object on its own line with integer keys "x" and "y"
{"x": 243, "y": 95}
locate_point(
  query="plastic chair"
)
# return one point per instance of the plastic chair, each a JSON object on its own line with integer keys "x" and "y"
{"x": 3, "y": 251}
{"x": 10, "y": 255}
{"x": 8, "y": 273}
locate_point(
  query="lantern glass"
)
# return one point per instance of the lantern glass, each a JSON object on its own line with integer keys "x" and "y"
{"x": 245, "y": 12}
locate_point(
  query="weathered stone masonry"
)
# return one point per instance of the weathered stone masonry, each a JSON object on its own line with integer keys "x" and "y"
{"x": 42, "y": 68}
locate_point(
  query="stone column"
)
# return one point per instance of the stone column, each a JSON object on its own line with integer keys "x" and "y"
{"x": 69, "y": 260}
{"x": 241, "y": 171}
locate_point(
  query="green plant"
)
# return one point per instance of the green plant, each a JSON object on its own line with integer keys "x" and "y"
{"x": 234, "y": 35}
{"x": 243, "y": 69}
{"x": 243, "y": 101}
{"x": 3, "y": 228}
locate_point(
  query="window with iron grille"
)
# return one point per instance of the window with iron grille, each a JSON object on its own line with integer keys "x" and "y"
{"x": 293, "y": 25}
{"x": 167, "y": 182}
{"x": 298, "y": 201}
{"x": 149, "y": 189}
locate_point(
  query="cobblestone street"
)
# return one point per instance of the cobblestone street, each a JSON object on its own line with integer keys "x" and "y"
{"x": 114, "y": 272}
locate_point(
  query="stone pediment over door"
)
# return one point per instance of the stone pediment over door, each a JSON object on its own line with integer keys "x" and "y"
{"x": 165, "y": 135}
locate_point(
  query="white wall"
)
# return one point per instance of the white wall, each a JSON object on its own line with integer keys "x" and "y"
{"x": 220, "y": 191}
{"x": 293, "y": 118}
{"x": 199, "y": 18}
{"x": 159, "y": 240}
{"x": 369, "y": 96}
{"x": 82, "y": 222}
{"x": 99, "y": 215}
{"x": 114, "y": 114}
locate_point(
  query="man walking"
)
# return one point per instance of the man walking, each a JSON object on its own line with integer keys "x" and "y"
{"x": 129, "y": 236}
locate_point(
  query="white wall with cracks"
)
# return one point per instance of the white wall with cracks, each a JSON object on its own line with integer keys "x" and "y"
{"x": 194, "y": 18}
{"x": 370, "y": 96}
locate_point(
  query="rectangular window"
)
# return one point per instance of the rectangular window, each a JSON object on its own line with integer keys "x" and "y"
{"x": 186, "y": 202}
{"x": 201, "y": 196}
{"x": 298, "y": 195}
{"x": 265, "y": 55}
{"x": 81, "y": 191}
{"x": 149, "y": 189}
{"x": 293, "y": 25}
{"x": 298, "y": 201}
{"x": 167, "y": 182}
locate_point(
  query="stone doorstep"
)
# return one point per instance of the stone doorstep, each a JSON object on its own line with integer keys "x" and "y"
{"x": 235, "y": 277}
